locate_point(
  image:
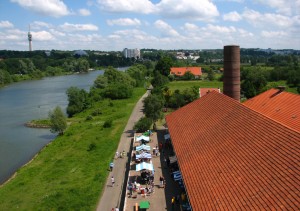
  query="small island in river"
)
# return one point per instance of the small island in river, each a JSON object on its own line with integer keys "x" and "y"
{"x": 40, "y": 123}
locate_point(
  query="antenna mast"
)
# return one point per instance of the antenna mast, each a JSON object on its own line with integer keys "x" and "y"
{"x": 30, "y": 39}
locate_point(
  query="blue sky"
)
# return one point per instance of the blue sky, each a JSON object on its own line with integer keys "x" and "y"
{"x": 112, "y": 25}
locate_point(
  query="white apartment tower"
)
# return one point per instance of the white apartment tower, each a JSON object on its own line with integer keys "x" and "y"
{"x": 132, "y": 53}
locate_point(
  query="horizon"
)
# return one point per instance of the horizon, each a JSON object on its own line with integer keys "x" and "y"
{"x": 112, "y": 25}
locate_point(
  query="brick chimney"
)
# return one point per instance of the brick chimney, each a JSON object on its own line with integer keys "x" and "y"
{"x": 231, "y": 79}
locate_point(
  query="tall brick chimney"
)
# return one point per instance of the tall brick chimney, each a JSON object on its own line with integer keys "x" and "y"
{"x": 231, "y": 79}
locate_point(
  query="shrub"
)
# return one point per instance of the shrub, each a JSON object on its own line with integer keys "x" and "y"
{"x": 89, "y": 117}
{"x": 143, "y": 124}
{"x": 91, "y": 147}
{"x": 107, "y": 124}
{"x": 96, "y": 112}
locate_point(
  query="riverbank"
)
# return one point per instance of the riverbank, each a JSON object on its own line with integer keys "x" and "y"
{"x": 70, "y": 172}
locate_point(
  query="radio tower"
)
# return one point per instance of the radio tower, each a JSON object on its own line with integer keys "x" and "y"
{"x": 30, "y": 39}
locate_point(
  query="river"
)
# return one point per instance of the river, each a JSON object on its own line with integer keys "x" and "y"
{"x": 24, "y": 101}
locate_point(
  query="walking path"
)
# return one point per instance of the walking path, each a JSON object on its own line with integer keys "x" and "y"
{"x": 116, "y": 196}
{"x": 112, "y": 196}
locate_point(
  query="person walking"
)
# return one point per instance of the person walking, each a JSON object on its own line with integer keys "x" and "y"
{"x": 112, "y": 181}
{"x": 111, "y": 166}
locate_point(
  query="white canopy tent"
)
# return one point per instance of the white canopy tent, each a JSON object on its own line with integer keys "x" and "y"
{"x": 142, "y": 147}
{"x": 144, "y": 166}
{"x": 142, "y": 137}
{"x": 144, "y": 155}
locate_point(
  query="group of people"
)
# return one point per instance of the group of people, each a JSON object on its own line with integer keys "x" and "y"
{"x": 156, "y": 151}
{"x": 121, "y": 154}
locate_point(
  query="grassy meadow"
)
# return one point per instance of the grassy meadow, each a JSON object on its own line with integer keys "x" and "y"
{"x": 181, "y": 85}
{"x": 70, "y": 172}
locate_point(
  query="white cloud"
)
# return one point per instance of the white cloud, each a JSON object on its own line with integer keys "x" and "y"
{"x": 57, "y": 33}
{"x": 287, "y": 7}
{"x": 272, "y": 34}
{"x": 6, "y": 24}
{"x": 124, "y": 22}
{"x": 55, "y": 8}
{"x": 238, "y": 1}
{"x": 267, "y": 20}
{"x": 215, "y": 36}
{"x": 39, "y": 24}
{"x": 232, "y": 16}
{"x": 181, "y": 9}
{"x": 165, "y": 29}
{"x": 84, "y": 12}
{"x": 136, "y": 6}
{"x": 203, "y": 10}
{"x": 42, "y": 36}
{"x": 78, "y": 27}
{"x": 190, "y": 27}
{"x": 14, "y": 34}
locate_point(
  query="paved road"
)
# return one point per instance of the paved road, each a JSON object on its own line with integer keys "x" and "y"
{"x": 112, "y": 195}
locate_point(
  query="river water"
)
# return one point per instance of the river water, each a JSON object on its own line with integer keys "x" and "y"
{"x": 24, "y": 101}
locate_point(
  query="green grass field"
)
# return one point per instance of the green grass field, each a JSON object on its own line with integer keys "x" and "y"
{"x": 181, "y": 85}
{"x": 70, "y": 172}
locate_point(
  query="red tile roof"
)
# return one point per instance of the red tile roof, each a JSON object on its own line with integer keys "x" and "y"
{"x": 204, "y": 91}
{"x": 179, "y": 71}
{"x": 233, "y": 158}
{"x": 280, "y": 106}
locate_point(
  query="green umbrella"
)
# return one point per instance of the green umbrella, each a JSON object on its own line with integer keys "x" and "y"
{"x": 144, "y": 205}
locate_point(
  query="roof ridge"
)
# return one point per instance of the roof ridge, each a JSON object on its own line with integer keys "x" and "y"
{"x": 237, "y": 102}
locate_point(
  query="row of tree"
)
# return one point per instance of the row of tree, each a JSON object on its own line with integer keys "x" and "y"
{"x": 113, "y": 84}
{"x": 20, "y": 65}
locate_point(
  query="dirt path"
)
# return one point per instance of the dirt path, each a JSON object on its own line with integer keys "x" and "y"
{"x": 112, "y": 196}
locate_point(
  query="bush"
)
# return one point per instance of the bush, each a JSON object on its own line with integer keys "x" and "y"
{"x": 91, "y": 147}
{"x": 89, "y": 117}
{"x": 143, "y": 124}
{"x": 107, "y": 124}
{"x": 118, "y": 91}
{"x": 96, "y": 112}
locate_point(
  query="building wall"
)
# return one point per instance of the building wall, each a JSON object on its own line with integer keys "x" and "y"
{"x": 132, "y": 53}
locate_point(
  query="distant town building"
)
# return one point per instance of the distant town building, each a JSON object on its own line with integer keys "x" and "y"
{"x": 180, "y": 71}
{"x": 132, "y": 53}
{"x": 80, "y": 53}
{"x": 184, "y": 56}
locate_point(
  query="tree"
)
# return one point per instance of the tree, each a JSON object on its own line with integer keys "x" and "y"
{"x": 83, "y": 65}
{"x": 255, "y": 79}
{"x": 164, "y": 65}
{"x": 138, "y": 72}
{"x": 190, "y": 94}
{"x": 143, "y": 124}
{"x": 210, "y": 74}
{"x": 78, "y": 100}
{"x": 159, "y": 80}
{"x": 58, "y": 121}
{"x": 167, "y": 93}
{"x": 101, "y": 82}
{"x": 188, "y": 76}
{"x": 153, "y": 105}
{"x": 177, "y": 100}
{"x": 118, "y": 91}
